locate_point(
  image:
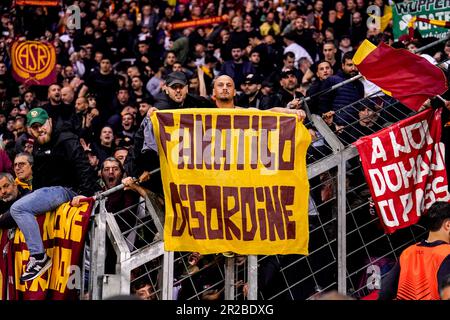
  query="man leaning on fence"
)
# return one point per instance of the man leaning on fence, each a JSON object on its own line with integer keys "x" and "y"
{"x": 61, "y": 171}
{"x": 425, "y": 265}
{"x": 337, "y": 100}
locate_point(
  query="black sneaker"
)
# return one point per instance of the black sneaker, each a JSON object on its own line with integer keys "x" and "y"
{"x": 35, "y": 268}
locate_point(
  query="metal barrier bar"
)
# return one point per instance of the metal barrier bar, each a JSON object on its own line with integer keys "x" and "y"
{"x": 119, "y": 187}
{"x": 98, "y": 253}
{"x": 229, "y": 278}
{"x": 252, "y": 275}
{"x": 342, "y": 227}
{"x": 167, "y": 290}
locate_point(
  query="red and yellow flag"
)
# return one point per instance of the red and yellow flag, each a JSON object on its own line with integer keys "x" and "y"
{"x": 33, "y": 62}
{"x": 403, "y": 75}
{"x": 199, "y": 22}
{"x": 437, "y": 23}
{"x": 48, "y": 3}
{"x": 63, "y": 234}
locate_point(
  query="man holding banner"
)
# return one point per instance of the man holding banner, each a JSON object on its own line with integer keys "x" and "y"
{"x": 215, "y": 224}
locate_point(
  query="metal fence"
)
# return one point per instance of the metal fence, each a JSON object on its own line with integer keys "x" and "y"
{"x": 348, "y": 250}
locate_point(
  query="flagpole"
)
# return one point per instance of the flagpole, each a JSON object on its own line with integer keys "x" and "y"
{"x": 117, "y": 188}
{"x": 432, "y": 44}
{"x": 440, "y": 98}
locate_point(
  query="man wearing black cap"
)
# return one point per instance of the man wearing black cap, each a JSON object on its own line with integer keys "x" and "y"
{"x": 60, "y": 171}
{"x": 251, "y": 96}
{"x": 175, "y": 94}
{"x": 287, "y": 93}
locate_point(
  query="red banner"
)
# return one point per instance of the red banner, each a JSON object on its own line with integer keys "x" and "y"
{"x": 405, "y": 168}
{"x": 3, "y": 264}
{"x": 199, "y": 22}
{"x": 63, "y": 232}
{"x": 47, "y": 3}
{"x": 33, "y": 62}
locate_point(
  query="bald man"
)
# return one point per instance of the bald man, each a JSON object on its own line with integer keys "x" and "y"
{"x": 224, "y": 91}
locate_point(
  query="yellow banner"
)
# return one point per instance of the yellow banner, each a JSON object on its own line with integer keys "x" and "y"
{"x": 234, "y": 180}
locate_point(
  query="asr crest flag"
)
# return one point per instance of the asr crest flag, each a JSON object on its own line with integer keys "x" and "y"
{"x": 405, "y": 169}
{"x": 33, "y": 62}
{"x": 234, "y": 180}
{"x": 63, "y": 233}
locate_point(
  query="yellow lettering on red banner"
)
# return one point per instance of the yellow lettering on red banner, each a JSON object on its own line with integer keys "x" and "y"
{"x": 234, "y": 180}
{"x": 65, "y": 224}
{"x": 60, "y": 269}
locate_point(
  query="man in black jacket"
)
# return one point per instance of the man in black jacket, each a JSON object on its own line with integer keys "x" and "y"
{"x": 252, "y": 96}
{"x": 61, "y": 171}
{"x": 175, "y": 94}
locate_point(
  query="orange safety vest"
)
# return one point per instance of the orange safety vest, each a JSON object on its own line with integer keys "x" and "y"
{"x": 419, "y": 266}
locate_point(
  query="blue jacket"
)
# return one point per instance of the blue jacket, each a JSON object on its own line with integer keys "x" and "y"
{"x": 337, "y": 99}
{"x": 229, "y": 69}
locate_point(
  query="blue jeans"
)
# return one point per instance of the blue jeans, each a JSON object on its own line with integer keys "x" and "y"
{"x": 37, "y": 202}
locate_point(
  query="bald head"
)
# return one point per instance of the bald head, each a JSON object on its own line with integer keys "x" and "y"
{"x": 67, "y": 95}
{"x": 224, "y": 90}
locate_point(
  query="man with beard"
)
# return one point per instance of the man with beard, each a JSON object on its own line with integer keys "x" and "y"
{"x": 175, "y": 94}
{"x": 62, "y": 115}
{"x": 336, "y": 100}
{"x": 61, "y": 171}
{"x": 138, "y": 92}
{"x": 237, "y": 67}
{"x": 251, "y": 96}
{"x": 287, "y": 93}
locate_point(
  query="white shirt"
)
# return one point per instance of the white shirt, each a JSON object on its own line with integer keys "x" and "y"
{"x": 299, "y": 52}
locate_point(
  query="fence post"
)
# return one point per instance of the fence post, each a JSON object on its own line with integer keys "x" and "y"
{"x": 342, "y": 226}
{"x": 252, "y": 275}
{"x": 167, "y": 287}
{"x": 338, "y": 149}
{"x": 229, "y": 278}
{"x": 98, "y": 248}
